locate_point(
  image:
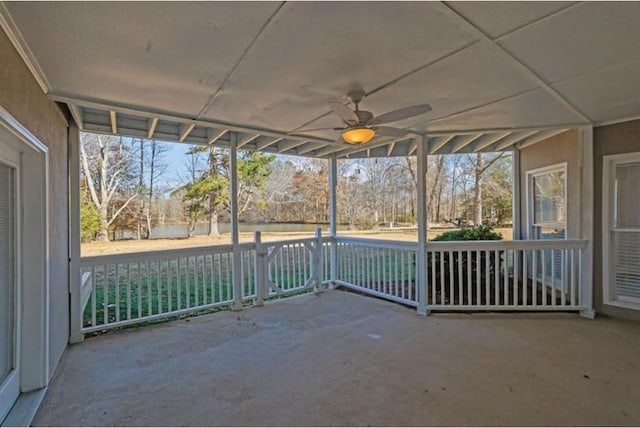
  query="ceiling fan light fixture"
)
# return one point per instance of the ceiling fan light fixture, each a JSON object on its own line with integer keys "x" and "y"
{"x": 358, "y": 135}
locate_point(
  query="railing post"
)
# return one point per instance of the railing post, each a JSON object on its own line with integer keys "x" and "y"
{"x": 260, "y": 270}
{"x": 235, "y": 236}
{"x": 333, "y": 219}
{"x": 316, "y": 264}
{"x": 586, "y": 222}
{"x": 421, "y": 262}
{"x": 75, "y": 280}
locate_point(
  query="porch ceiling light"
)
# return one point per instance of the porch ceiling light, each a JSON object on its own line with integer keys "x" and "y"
{"x": 358, "y": 135}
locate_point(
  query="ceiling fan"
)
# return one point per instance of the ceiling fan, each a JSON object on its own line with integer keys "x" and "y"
{"x": 360, "y": 126}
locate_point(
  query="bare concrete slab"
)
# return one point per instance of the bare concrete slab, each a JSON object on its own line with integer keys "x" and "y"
{"x": 344, "y": 359}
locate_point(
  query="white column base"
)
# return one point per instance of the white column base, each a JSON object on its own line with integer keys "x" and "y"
{"x": 589, "y": 313}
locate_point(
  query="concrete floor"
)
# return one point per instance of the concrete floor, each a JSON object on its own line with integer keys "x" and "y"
{"x": 345, "y": 359}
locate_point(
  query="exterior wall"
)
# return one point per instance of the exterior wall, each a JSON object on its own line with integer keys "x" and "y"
{"x": 558, "y": 149}
{"x": 23, "y": 98}
{"x": 609, "y": 140}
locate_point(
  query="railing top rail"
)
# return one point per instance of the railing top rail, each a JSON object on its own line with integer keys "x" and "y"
{"x": 546, "y": 244}
{"x": 135, "y": 257}
{"x": 288, "y": 241}
{"x": 381, "y": 243}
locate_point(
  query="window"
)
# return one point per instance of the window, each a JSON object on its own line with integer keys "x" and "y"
{"x": 548, "y": 203}
{"x": 547, "y": 217}
{"x": 621, "y": 230}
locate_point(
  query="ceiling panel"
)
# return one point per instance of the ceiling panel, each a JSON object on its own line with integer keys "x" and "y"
{"x": 471, "y": 78}
{"x": 603, "y": 94}
{"x": 498, "y": 18}
{"x": 589, "y": 37}
{"x": 314, "y": 52}
{"x": 163, "y": 55}
{"x": 535, "y": 108}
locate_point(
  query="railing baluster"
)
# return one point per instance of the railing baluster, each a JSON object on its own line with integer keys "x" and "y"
{"x": 460, "y": 278}
{"x": 553, "y": 278}
{"x": 128, "y": 290}
{"x": 469, "y": 280}
{"x": 534, "y": 282}
{"x": 93, "y": 295}
{"x": 573, "y": 277}
{"x": 525, "y": 277}
{"x": 496, "y": 266}
{"x": 442, "y": 279}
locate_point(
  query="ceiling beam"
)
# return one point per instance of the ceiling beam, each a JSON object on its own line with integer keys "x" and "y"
{"x": 76, "y": 113}
{"x": 311, "y": 147}
{"x": 247, "y": 140}
{"x": 524, "y": 69}
{"x": 153, "y": 123}
{"x": 185, "y": 130}
{"x": 114, "y": 123}
{"x": 455, "y": 132}
{"x": 390, "y": 148}
{"x": 269, "y": 143}
{"x": 486, "y": 140}
{"x": 513, "y": 139}
{"x": 464, "y": 142}
{"x": 215, "y": 137}
{"x": 290, "y": 145}
{"x": 440, "y": 142}
{"x": 151, "y": 113}
{"x": 413, "y": 148}
{"x": 535, "y": 139}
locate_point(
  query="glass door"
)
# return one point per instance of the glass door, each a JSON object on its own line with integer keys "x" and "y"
{"x": 9, "y": 373}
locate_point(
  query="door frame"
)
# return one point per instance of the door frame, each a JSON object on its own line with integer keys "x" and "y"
{"x": 10, "y": 386}
{"x": 33, "y": 245}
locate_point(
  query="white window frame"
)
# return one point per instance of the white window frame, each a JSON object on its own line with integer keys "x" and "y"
{"x": 608, "y": 180}
{"x": 531, "y": 174}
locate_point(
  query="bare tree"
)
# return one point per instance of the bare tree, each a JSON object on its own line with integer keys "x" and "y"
{"x": 106, "y": 166}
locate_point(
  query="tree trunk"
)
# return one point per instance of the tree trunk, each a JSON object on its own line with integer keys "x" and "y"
{"x": 103, "y": 233}
{"x": 213, "y": 222}
{"x": 477, "y": 193}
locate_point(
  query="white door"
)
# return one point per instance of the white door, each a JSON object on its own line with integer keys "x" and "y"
{"x": 9, "y": 290}
{"x": 621, "y": 230}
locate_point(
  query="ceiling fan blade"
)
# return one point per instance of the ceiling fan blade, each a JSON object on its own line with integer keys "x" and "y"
{"x": 389, "y": 131}
{"x": 318, "y": 129}
{"x": 344, "y": 112}
{"x": 400, "y": 114}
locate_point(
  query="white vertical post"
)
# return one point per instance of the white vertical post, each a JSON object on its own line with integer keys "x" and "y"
{"x": 260, "y": 269}
{"x": 333, "y": 218}
{"x": 586, "y": 222}
{"x": 517, "y": 196}
{"x": 421, "y": 274}
{"x": 75, "y": 283}
{"x": 235, "y": 236}
{"x": 316, "y": 261}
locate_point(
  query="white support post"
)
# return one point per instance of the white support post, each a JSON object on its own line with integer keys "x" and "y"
{"x": 517, "y": 196}
{"x": 316, "y": 261}
{"x": 75, "y": 283}
{"x": 260, "y": 269}
{"x": 586, "y": 222}
{"x": 421, "y": 268}
{"x": 235, "y": 236}
{"x": 333, "y": 218}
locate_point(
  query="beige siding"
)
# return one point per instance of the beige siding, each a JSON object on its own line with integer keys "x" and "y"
{"x": 609, "y": 140}
{"x": 561, "y": 148}
{"x": 24, "y": 99}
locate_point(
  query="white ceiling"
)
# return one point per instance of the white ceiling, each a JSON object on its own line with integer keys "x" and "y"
{"x": 270, "y": 66}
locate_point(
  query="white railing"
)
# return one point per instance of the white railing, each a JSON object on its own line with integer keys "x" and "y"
{"x": 382, "y": 268}
{"x": 504, "y": 275}
{"x": 124, "y": 289}
{"x": 471, "y": 275}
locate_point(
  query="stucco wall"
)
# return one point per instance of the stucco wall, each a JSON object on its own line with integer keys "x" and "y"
{"x": 23, "y": 98}
{"x": 561, "y": 148}
{"x": 609, "y": 140}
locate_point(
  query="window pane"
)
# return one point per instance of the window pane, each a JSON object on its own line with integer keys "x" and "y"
{"x": 549, "y": 198}
{"x": 6, "y": 271}
{"x": 627, "y": 195}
